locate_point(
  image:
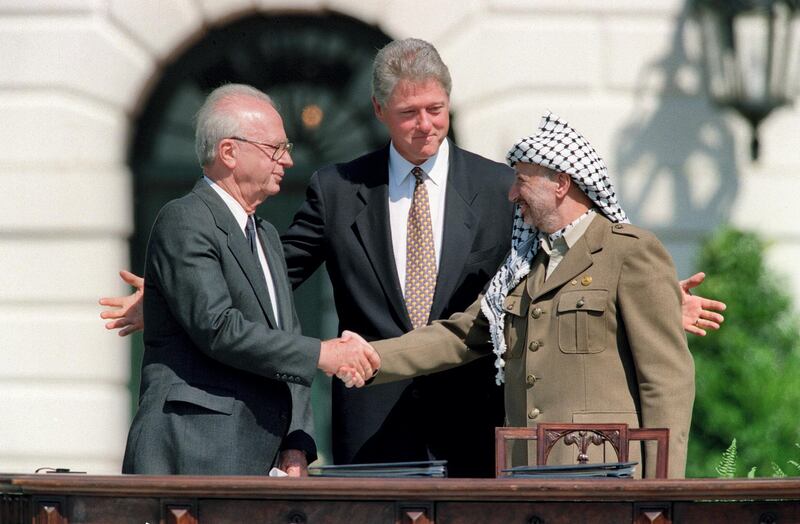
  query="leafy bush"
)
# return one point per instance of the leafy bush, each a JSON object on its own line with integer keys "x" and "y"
{"x": 748, "y": 373}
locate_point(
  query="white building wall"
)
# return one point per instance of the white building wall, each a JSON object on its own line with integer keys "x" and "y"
{"x": 74, "y": 72}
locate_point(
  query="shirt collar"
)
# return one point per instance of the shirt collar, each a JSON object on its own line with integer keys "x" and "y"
{"x": 236, "y": 208}
{"x": 571, "y": 233}
{"x": 435, "y": 167}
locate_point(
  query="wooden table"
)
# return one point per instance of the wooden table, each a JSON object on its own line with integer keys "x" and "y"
{"x": 74, "y": 499}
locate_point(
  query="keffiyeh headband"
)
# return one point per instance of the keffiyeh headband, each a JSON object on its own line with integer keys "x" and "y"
{"x": 559, "y": 147}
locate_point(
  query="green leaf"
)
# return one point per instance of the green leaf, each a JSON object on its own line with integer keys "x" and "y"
{"x": 777, "y": 471}
{"x": 727, "y": 465}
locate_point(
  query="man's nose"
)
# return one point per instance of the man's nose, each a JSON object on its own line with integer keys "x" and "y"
{"x": 286, "y": 160}
{"x": 423, "y": 121}
{"x": 513, "y": 192}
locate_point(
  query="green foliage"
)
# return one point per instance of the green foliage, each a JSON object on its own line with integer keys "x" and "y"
{"x": 748, "y": 373}
{"x": 727, "y": 465}
{"x": 777, "y": 471}
{"x": 726, "y": 468}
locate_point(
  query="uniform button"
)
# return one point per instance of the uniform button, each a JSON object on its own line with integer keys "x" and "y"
{"x": 618, "y": 226}
{"x": 530, "y": 379}
{"x": 535, "y": 345}
{"x": 533, "y": 413}
{"x": 536, "y": 312}
{"x": 581, "y": 303}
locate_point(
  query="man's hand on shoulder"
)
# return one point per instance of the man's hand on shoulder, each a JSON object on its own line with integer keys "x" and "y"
{"x": 699, "y": 314}
{"x": 126, "y": 311}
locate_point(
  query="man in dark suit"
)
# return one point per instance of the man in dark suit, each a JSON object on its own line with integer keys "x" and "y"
{"x": 355, "y": 219}
{"x": 223, "y": 351}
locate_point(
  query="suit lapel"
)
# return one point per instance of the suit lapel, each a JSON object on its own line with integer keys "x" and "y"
{"x": 458, "y": 230}
{"x": 280, "y": 281}
{"x": 237, "y": 243}
{"x": 578, "y": 258}
{"x": 372, "y": 226}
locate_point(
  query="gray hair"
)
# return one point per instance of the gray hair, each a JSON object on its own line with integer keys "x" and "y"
{"x": 409, "y": 59}
{"x": 215, "y": 120}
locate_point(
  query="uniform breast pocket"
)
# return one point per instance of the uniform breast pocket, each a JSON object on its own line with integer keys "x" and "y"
{"x": 582, "y": 321}
{"x": 516, "y": 328}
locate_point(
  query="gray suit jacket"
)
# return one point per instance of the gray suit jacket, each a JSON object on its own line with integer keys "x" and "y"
{"x": 218, "y": 375}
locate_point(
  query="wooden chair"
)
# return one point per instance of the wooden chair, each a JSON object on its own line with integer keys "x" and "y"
{"x": 582, "y": 436}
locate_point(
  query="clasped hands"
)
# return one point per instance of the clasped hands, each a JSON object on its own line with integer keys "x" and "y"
{"x": 350, "y": 358}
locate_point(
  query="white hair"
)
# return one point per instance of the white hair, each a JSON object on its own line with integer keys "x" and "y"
{"x": 216, "y": 120}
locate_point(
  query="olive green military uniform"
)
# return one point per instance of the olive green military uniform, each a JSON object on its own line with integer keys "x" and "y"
{"x": 600, "y": 340}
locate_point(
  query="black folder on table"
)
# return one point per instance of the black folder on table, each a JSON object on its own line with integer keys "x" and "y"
{"x": 424, "y": 468}
{"x": 573, "y": 471}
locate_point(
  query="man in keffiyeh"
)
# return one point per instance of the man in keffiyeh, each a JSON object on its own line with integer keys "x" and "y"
{"x": 584, "y": 316}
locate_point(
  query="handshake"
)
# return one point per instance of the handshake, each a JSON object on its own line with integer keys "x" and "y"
{"x": 350, "y": 358}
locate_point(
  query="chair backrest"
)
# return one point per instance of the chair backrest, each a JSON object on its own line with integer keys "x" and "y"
{"x": 582, "y": 436}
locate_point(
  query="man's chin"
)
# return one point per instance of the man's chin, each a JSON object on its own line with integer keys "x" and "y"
{"x": 424, "y": 153}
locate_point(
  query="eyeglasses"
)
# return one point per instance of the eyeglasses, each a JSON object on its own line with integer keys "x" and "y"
{"x": 280, "y": 149}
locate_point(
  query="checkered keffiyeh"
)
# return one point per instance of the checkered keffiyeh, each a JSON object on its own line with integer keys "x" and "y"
{"x": 559, "y": 147}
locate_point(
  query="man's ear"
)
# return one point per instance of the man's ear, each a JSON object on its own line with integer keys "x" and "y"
{"x": 227, "y": 152}
{"x": 376, "y": 106}
{"x": 564, "y": 182}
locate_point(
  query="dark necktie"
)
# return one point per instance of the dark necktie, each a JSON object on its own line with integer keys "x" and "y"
{"x": 250, "y": 231}
{"x": 252, "y": 238}
{"x": 420, "y": 255}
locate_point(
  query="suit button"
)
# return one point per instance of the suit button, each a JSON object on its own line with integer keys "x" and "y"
{"x": 530, "y": 380}
{"x": 533, "y": 413}
{"x": 536, "y": 312}
{"x": 535, "y": 345}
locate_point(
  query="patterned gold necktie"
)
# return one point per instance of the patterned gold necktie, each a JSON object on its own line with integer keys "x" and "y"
{"x": 420, "y": 255}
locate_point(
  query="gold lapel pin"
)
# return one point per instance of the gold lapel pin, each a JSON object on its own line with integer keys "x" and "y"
{"x": 585, "y": 281}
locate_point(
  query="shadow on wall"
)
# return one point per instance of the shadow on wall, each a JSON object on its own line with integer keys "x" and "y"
{"x": 676, "y": 155}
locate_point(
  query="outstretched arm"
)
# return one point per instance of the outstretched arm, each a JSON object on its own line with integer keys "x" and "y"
{"x": 699, "y": 314}
{"x": 125, "y": 312}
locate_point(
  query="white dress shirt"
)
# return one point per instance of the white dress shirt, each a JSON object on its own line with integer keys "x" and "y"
{"x": 241, "y": 218}
{"x": 401, "y": 194}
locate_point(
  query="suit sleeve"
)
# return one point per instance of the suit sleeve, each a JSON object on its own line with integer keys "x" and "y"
{"x": 441, "y": 345}
{"x": 303, "y": 242}
{"x": 650, "y": 306}
{"x": 184, "y": 266}
{"x": 301, "y": 430}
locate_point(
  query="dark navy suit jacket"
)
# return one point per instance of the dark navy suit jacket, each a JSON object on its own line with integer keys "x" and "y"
{"x": 344, "y": 222}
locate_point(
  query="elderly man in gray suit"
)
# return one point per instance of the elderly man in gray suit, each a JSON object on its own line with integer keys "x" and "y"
{"x": 226, "y": 371}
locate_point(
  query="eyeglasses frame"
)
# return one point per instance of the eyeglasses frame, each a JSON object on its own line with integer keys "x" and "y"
{"x": 280, "y": 149}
